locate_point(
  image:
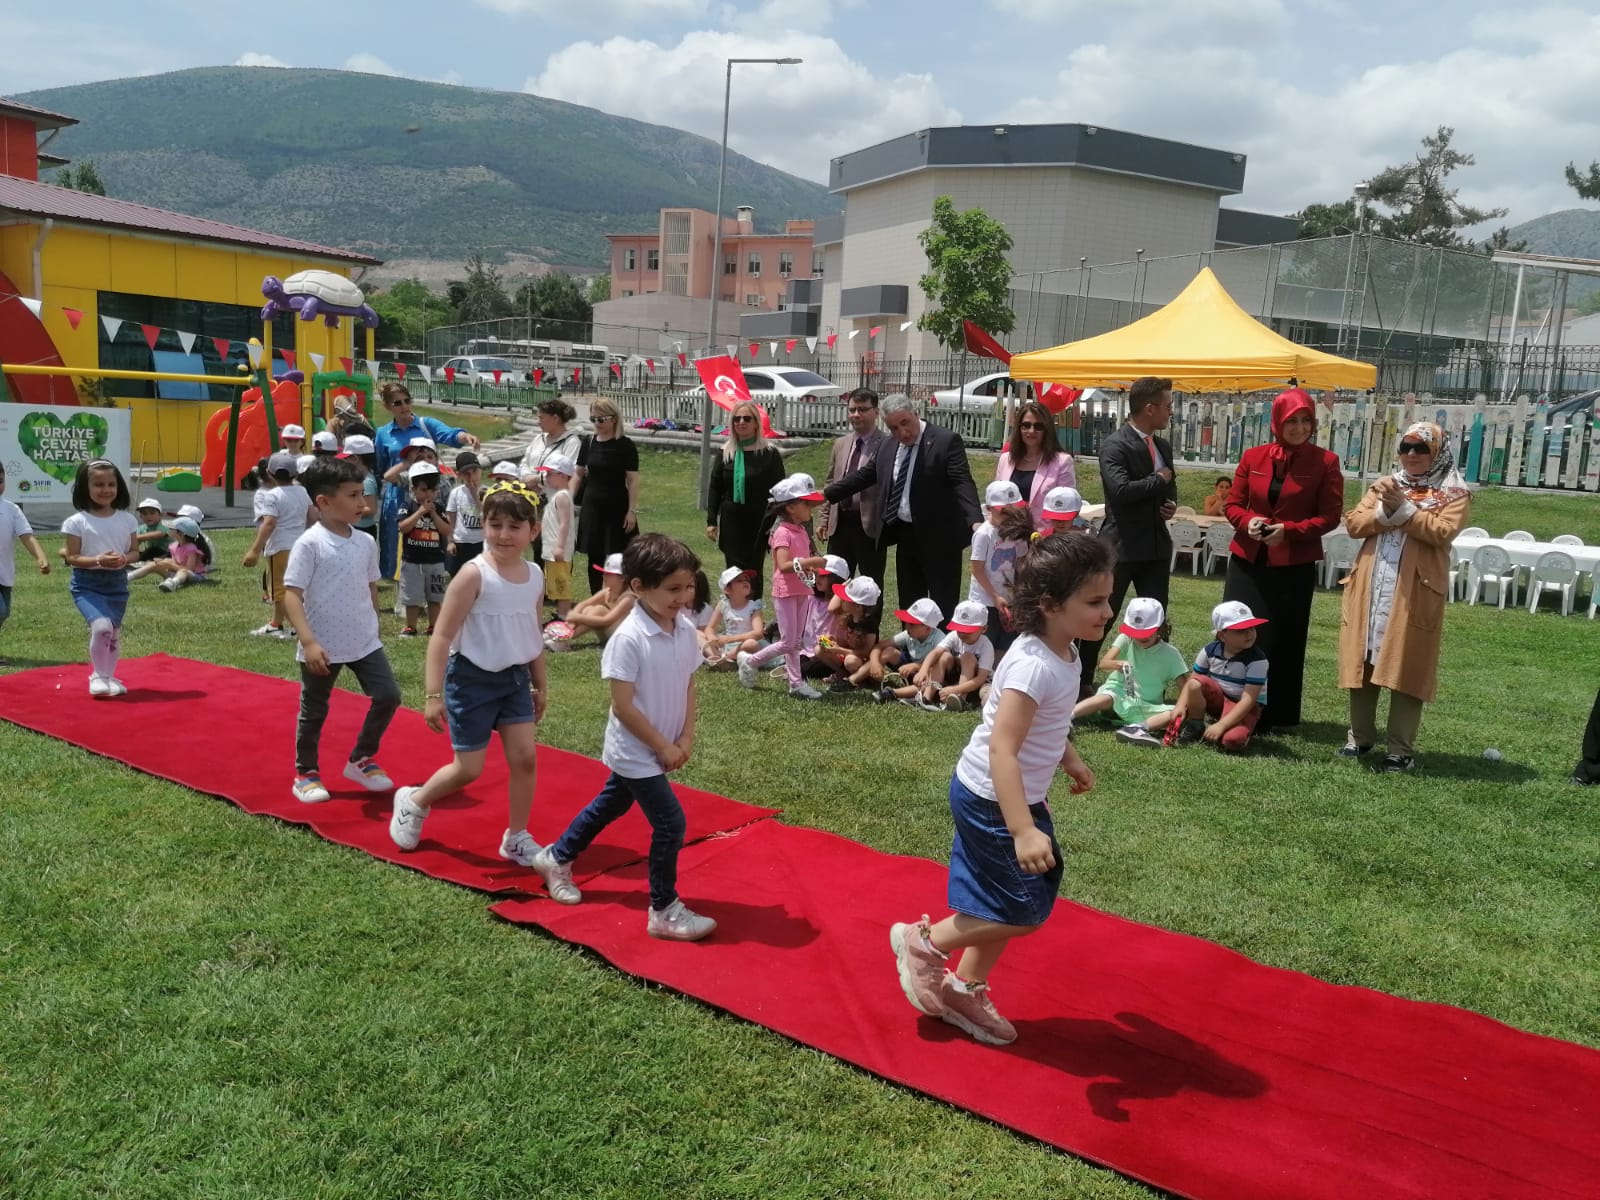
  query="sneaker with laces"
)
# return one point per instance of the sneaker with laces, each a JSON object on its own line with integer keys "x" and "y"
{"x": 267, "y": 630}
{"x": 115, "y": 687}
{"x": 840, "y": 686}
{"x": 99, "y": 686}
{"x": 955, "y": 704}
{"x": 1137, "y": 735}
{"x": 675, "y": 923}
{"x": 967, "y": 1006}
{"x": 519, "y": 847}
{"x": 168, "y": 585}
{"x": 408, "y": 631}
{"x": 308, "y": 788}
{"x": 1395, "y": 764}
{"x": 285, "y": 635}
{"x": 804, "y": 691}
{"x": 1353, "y": 750}
{"x": 557, "y": 877}
{"x": 921, "y": 967}
{"x": 405, "y": 826}
{"x": 894, "y": 679}
{"x": 368, "y": 774}
{"x": 747, "y": 670}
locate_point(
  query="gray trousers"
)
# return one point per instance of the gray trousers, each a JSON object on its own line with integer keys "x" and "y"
{"x": 1405, "y": 716}
{"x": 376, "y": 680}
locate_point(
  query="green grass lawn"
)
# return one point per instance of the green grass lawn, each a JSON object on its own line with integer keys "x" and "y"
{"x": 487, "y": 424}
{"x": 200, "y": 1003}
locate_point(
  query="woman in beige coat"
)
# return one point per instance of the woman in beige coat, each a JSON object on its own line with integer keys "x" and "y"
{"x": 1392, "y": 616}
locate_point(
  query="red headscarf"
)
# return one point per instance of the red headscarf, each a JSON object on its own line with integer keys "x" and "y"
{"x": 1285, "y": 406}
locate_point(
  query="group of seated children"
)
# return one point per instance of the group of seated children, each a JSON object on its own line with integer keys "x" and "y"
{"x": 1228, "y": 682}
{"x": 174, "y": 549}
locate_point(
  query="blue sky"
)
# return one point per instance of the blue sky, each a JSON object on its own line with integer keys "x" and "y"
{"x": 1318, "y": 93}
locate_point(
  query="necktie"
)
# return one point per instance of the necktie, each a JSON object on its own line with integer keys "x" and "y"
{"x": 1150, "y": 445}
{"x": 855, "y": 461}
{"x": 897, "y": 486}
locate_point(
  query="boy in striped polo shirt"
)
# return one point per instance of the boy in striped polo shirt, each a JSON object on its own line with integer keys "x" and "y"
{"x": 1229, "y": 684}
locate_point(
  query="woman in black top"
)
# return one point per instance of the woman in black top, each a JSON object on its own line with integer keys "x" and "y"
{"x": 736, "y": 501}
{"x": 608, "y": 489}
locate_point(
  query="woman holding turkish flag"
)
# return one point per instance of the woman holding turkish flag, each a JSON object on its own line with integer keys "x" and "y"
{"x": 736, "y": 501}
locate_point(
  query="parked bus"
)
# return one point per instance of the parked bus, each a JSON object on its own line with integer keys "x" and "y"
{"x": 532, "y": 352}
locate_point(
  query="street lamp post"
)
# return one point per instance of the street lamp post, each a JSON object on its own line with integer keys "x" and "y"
{"x": 716, "y": 265}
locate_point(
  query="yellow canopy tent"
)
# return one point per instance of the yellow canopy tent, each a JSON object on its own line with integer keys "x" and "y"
{"x": 1204, "y": 341}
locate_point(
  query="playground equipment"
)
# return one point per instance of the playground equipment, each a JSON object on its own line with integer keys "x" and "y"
{"x": 248, "y": 428}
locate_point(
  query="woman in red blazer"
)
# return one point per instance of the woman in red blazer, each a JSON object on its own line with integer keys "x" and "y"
{"x": 1285, "y": 496}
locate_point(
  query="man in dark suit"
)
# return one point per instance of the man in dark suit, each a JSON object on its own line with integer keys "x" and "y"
{"x": 1136, "y": 473}
{"x": 929, "y": 502}
{"x": 846, "y": 523}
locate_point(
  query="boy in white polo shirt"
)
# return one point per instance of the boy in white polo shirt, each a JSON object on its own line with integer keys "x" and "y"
{"x": 650, "y": 662}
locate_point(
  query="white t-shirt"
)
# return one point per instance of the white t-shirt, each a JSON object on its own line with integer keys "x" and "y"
{"x": 1032, "y": 668}
{"x": 13, "y": 525}
{"x": 733, "y": 620}
{"x": 560, "y": 530}
{"x": 96, "y": 535}
{"x": 659, "y": 665}
{"x": 983, "y": 648}
{"x": 468, "y": 514}
{"x": 703, "y": 616}
{"x": 1000, "y": 559}
{"x": 335, "y": 574}
{"x": 288, "y": 503}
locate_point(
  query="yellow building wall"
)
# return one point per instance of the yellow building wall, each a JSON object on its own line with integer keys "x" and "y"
{"x": 78, "y": 262}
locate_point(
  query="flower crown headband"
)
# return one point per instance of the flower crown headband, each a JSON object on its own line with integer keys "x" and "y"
{"x": 517, "y": 488}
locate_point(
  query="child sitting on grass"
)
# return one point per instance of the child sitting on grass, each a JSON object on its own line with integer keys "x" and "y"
{"x": 736, "y": 626}
{"x": 187, "y": 561}
{"x": 953, "y": 676}
{"x": 1142, "y": 666}
{"x": 857, "y": 616}
{"x": 905, "y": 657}
{"x": 152, "y": 537}
{"x": 598, "y": 614}
{"x": 1229, "y": 683}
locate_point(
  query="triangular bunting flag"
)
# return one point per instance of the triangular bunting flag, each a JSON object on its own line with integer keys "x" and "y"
{"x": 427, "y": 371}
{"x": 316, "y": 360}
{"x": 811, "y": 345}
{"x": 400, "y": 369}
{"x": 186, "y": 340}
{"x": 112, "y": 325}
{"x": 348, "y": 364}
{"x": 874, "y": 332}
{"x": 497, "y": 374}
{"x": 616, "y": 369}
{"x": 772, "y": 349}
{"x": 33, "y": 306}
{"x": 253, "y": 349}
{"x": 852, "y": 336}
{"x": 683, "y": 359}
{"x": 73, "y": 316}
{"x": 755, "y": 349}
{"x": 372, "y": 367}
{"x": 288, "y": 358}
{"x": 449, "y": 372}
{"x": 651, "y": 363}
{"x": 152, "y": 334}
{"x": 788, "y": 346}
{"x": 905, "y": 325}
{"x": 733, "y": 352}
{"x": 832, "y": 338}
{"x": 224, "y": 347}
{"x": 538, "y": 376}
{"x": 577, "y": 375}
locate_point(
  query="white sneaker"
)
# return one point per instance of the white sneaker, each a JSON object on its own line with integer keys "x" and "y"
{"x": 557, "y": 877}
{"x": 308, "y": 788}
{"x": 405, "y": 826}
{"x": 99, "y": 686}
{"x": 168, "y": 585}
{"x": 267, "y": 630}
{"x": 519, "y": 847}
{"x": 675, "y": 923}
{"x": 747, "y": 670}
{"x": 115, "y": 687}
{"x": 285, "y": 635}
{"x": 369, "y": 775}
{"x": 804, "y": 691}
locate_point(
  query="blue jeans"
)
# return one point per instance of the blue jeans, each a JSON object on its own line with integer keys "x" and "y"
{"x": 660, "y": 807}
{"x": 388, "y": 529}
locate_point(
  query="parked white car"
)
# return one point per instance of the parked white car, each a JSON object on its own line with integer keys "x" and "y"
{"x": 480, "y": 368}
{"x": 793, "y": 385}
{"x": 979, "y": 395}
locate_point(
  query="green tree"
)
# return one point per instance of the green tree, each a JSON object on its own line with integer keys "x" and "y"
{"x": 969, "y": 276}
{"x": 559, "y": 304}
{"x": 1421, "y": 205}
{"x": 1328, "y": 220}
{"x": 82, "y": 178}
{"x": 599, "y": 289}
{"x": 1585, "y": 183}
{"x": 483, "y": 292}
{"x": 407, "y": 310}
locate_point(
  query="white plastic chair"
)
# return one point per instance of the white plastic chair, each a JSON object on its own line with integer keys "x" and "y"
{"x": 1338, "y": 554}
{"x": 1594, "y": 593}
{"x": 1474, "y": 531}
{"x": 1519, "y": 535}
{"x": 1218, "y": 538}
{"x": 1186, "y": 539}
{"x": 1184, "y": 510}
{"x": 1554, "y": 571}
{"x": 1491, "y": 564}
{"x": 1566, "y": 539}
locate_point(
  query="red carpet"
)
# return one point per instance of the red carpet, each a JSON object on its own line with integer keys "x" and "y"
{"x": 231, "y": 733}
{"x": 1164, "y": 1057}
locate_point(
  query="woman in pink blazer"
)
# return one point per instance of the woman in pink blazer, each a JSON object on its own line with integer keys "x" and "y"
{"x": 1034, "y": 460}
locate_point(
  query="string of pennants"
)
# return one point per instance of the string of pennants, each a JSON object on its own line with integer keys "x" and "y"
{"x": 831, "y": 341}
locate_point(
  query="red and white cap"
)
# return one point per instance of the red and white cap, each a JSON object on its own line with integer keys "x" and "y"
{"x": 1234, "y": 614}
{"x": 291, "y": 431}
{"x": 359, "y": 443}
{"x": 1144, "y": 617}
{"x": 613, "y": 565}
{"x": 833, "y": 565}
{"x": 1002, "y": 493}
{"x": 799, "y": 486}
{"x": 860, "y": 590}
{"x": 922, "y": 612}
{"x": 1062, "y": 503}
{"x": 729, "y": 574}
{"x": 559, "y": 464}
{"x": 970, "y": 617}
{"x": 324, "y": 439}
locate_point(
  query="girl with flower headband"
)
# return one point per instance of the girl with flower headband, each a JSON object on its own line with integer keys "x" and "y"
{"x": 1392, "y": 616}
{"x": 485, "y": 672}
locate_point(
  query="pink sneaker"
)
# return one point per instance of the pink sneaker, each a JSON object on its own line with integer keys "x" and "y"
{"x": 967, "y": 1006}
{"x": 921, "y": 967}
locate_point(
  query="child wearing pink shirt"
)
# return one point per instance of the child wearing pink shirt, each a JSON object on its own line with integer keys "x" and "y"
{"x": 793, "y": 500}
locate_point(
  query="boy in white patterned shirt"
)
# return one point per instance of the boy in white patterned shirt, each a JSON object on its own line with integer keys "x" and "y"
{"x": 560, "y": 531}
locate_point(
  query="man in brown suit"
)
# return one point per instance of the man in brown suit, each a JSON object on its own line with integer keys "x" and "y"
{"x": 851, "y": 526}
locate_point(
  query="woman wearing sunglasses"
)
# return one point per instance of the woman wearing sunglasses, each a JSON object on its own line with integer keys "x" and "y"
{"x": 607, "y": 489}
{"x": 1034, "y": 460}
{"x": 1393, "y": 612}
{"x": 736, "y": 499}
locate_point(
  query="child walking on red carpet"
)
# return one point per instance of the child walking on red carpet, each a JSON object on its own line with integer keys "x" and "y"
{"x": 485, "y": 671}
{"x": 650, "y": 662}
{"x": 1005, "y": 866}
{"x": 101, "y": 540}
{"x": 330, "y": 598}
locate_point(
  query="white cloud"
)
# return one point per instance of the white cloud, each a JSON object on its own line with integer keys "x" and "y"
{"x": 796, "y": 118}
{"x": 253, "y": 58}
{"x": 610, "y": 12}
{"x": 1209, "y": 20}
{"x": 773, "y": 16}
{"x": 368, "y": 64}
{"x": 61, "y": 51}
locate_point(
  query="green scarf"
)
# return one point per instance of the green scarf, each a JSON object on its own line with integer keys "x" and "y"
{"x": 738, "y": 466}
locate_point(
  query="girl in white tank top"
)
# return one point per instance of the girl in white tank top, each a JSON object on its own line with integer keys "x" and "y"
{"x": 501, "y": 629}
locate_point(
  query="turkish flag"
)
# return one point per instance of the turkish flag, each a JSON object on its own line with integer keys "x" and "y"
{"x": 724, "y": 382}
{"x": 1056, "y": 396}
{"x": 151, "y": 333}
{"x": 980, "y": 343}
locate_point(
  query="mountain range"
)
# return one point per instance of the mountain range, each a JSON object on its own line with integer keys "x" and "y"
{"x": 402, "y": 169}
{"x": 1569, "y": 233}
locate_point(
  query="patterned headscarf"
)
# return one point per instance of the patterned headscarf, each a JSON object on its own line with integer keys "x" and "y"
{"x": 1441, "y": 482}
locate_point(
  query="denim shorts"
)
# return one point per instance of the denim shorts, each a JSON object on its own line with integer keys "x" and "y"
{"x": 478, "y": 701}
{"x": 100, "y": 594}
{"x": 985, "y": 880}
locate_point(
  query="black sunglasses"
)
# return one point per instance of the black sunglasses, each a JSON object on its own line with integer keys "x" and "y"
{"x": 1413, "y": 447}
{"x": 1030, "y": 425}
{"x": 744, "y": 420}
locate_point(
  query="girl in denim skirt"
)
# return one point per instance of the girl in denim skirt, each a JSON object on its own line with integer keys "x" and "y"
{"x": 1005, "y": 866}
{"x": 101, "y": 540}
{"x": 494, "y": 679}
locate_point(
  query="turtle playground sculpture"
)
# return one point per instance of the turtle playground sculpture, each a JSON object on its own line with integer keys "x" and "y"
{"x": 315, "y": 294}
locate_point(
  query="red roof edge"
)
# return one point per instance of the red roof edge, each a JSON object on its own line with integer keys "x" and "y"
{"x": 42, "y": 118}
